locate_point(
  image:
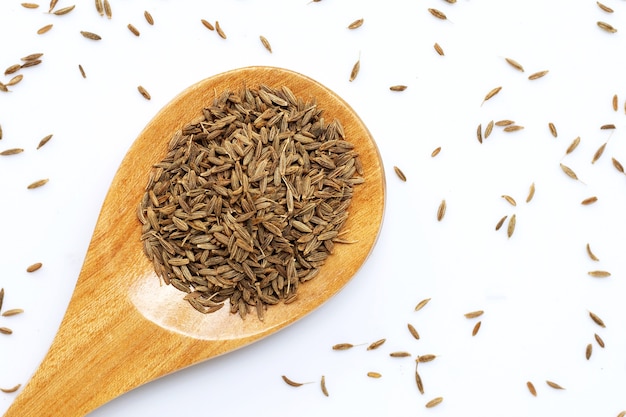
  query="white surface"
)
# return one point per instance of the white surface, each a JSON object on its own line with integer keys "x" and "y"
{"x": 533, "y": 287}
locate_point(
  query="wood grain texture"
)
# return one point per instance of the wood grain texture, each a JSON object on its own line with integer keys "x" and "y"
{"x": 122, "y": 328}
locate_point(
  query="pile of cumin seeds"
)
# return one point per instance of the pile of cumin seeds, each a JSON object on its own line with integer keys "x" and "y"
{"x": 249, "y": 201}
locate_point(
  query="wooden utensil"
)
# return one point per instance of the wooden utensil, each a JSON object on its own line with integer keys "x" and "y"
{"x": 122, "y": 328}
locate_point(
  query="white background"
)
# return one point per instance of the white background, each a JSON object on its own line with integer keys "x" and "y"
{"x": 534, "y": 287}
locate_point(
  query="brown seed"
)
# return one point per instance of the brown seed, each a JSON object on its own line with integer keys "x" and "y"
{"x": 37, "y": 184}
{"x": 376, "y": 344}
{"x": 531, "y": 388}
{"x": 510, "y": 200}
{"x": 426, "y": 358}
{"x": 537, "y": 75}
{"x": 90, "y": 35}
{"x": 0, "y": 132}
{"x": 597, "y": 320}
{"x": 607, "y": 126}
{"x": 107, "y": 9}
{"x": 479, "y": 133}
{"x": 12, "y": 69}
{"x": 591, "y": 254}
{"x": 399, "y": 173}
{"x": 618, "y": 166}
{"x": 219, "y": 30}
{"x": 397, "y": 87}
{"x": 1, "y": 297}
{"x": 32, "y": 63}
{"x": 599, "y": 340}
{"x": 207, "y": 24}
{"x": 568, "y": 171}
{"x": 605, "y": 26}
{"x": 15, "y": 80}
{"x": 148, "y": 17}
{"x": 500, "y": 223}
{"x": 53, "y": 4}
{"x": 441, "y": 211}
{"x": 504, "y": 122}
{"x": 439, "y": 49}
{"x": 434, "y": 402}
{"x": 343, "y": 346}
{"x": 44, "y": 29}
{"x": 572, "y": 146}
{"x": 355, "y": 70}
{"x": 515, "y": 64}
{"x": 421, "y": 304}
{"x": 435, "y": 152}
{"x": 374, "y": 374}
{"x": 598, "y": 153}
{"x": 413, "y": 332}
{"x": 32, "y": 57}
{"x": 64, "y": 10}
{"x": 82, "y": 71}
{"x": 12, "y": 389}
{"x": 615, "y": 102}
{"x": 100, "y": 7}
{"x": 599, "y": 274}
{"x": 323, "y": 385}
{"x": 513, "y": 128}
{"x": 589, "y": 200}
{"x": 44, "y": 141}
{"x": 290, "y": 382}
{"x": 30, "y": 5}
{"x": 34, "y": 267}
{"x": 492, "y": 93}
{"x": 399, "y": 354}
{"x": 511, "y": 227}
{"x": 356, "y": 24}
{"x": 418, "y": 381}
{"x": 266, "y": 43}
{"x": 474, "y": 314}
{"x": 531, "y": 192}
{"x": 605, "y": 8}
{"x": 554, "y": 385}
{"x": 143, "y": 92}
{"x": 476, "y": 328}
{"x": 12, "y": 151}
{"x": 438, "y": 14}
{"x": 588, "y": 351}
{"x": 12, "y": 312}
{"x": 133, "y": 29}
{"x": 552, "y": 129}
{"x": 6, "y": 330}
{"x": 622, "y": 414}
{"x": 488, "y": 129}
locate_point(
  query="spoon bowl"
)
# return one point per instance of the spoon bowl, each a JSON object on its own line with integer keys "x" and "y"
{"x": 124, "y": 328}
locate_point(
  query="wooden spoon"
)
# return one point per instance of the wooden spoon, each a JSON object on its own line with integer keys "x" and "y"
{"x": 122, "y": 328}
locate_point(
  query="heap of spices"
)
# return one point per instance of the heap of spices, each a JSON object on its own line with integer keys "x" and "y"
{"x": 249, "y": 201}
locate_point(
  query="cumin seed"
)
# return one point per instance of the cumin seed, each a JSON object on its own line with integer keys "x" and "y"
{"x": 398, "y": 87}
{"x": 82, "y": 71}
{"x": 552, "y": 129}
{"x": 6, "y": 330}
{"x": 290, "y": 382}
{"x": 64, "y": 10}
{"x": 100, "y": 7}
{"x": 615, "y": 102}
{"x": 604, "y": 8}
{"x": 44, "y": 141}
{"x": 376, "y": 344}
{"x": 597, "y": 320}
{"x": 531, "y": 388}
{"x": 37, "y": 184}
{"x": 588, "y": 351}
{"x": 438, "y": 14}
{"x": 44, "y": 29}
{"x": 435, "y": 152}
{"x": 207, "y": 24}
{"x": 133, "y": 29}
{"x": 589, "y": 200}
{"x": 537, "y": 75}
{"x": 572, "y": 146}
{"x": 374, "y": 374}
{"x": 515, "y": 64}
{"x": 598, "y": 153}
{"x": 607, "y": 127}
{"x": 618, "y": 166}
{"x": 474, "y": 314}
{"x": 605, "y": 26}
{"x": 511, "y": 226}
{"x": 476, "y": 328}
{"x": 513, "y": 128}
{"x": 488, "y": 129}
{"x": 32, "y": 57}
{"x": 53, "y": 4}
{"x": 426, "y": 358}
{"x": 148, "y": 17}
{"x": 509, "y": 199}
{"x": 439, "y": 49}
{"x": 343, "y": 346}
{"x": 30, "y": 5}
{"x": 323, "y": 386}
{"x": 531, "y": 192}
{"x": 568, "y": 171}
{"x": 12, "y": 312}
{"x": 144, "y": 92}
{"x": 219, "y": 30}
{"x": 12, "y": 151}
{"x": 107, "y": 9}
{"x": 12, "y": 69}
{"x": 34, "y": 267}
{"x": 418, "y": 380}
{"x": 504, "y": 122}
{"x": 599, "y": 340}
{"x": 15, "y": 80}
{"x": 492, "y": 93}
{"x": 355, "y": 70}
{"x": 356, "y": 24}
{"x": 591, "y": 254}
{"x": 554, "y": 385}
{"x": 1, "y": 297}
{"x": 421, "y": 304}
{"x": 266, "y": 43}
{"x": 599, "y": 274}
{"x": 12, "y": 389}
{"x": 32, "y": 63}
{"x": 500, "y": 223}
{"x": 441, "y": 210}
{"x": 399, "y": 354}
{"x": 413, "y": 331}
{"x": 479, "y": 133}
{"x": 434, "y": 402}
{"x": 399, "y": 173}
{"x": 90, "y": 35}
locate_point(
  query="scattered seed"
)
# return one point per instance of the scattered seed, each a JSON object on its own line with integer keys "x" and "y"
{"x": 531, "y": 192}
{"x": 599, "y": 340}
{"x": 143, "y": 92}
{"x": 356, "y": 24}
{"x": 44, "y": 141}
{"x": 441, "y": 211}
{"x": 32, "y": 63}
{"x": 615, "y": 102}
{"x": 6, "y": 330}
{"x": 439, "y": 49}
{"x": 15, "y": 80}
{"x": 148, "y": 17}
{"x": 515, "y": 64}
{"x": 434, "y": 402}
{"x": 605, "y": 8}
{"x": 599, "y": 274}
{"x": 397, "y": 87}
{"x": 435, "y": 152}
{"x": 568, "y": 171}
{"x": 100, "y": 7}
{"x": 476, "y": 328}
{"x": 572, "y": 146}
{"x": 589, "y": 200}
{"x": 607, "y": 27}
{"x": 12, "y": 151}
{"x": 64, "y": 10}
{"x": 513, "y": 128}
{"x": 30, "y": 5}
{"x": 1, "y": 297}
{"x": 552, "y": 129}
{"x": 591, "y": 254}
{"x": 34, "y": 267}
{"x": 207, "y": 24}
{"x": 107, "y": 9}
{"x": 588, "y": 351}
{"x": 12, "y": 312}
{"x": 400, "y": 354}
{"x": 290, "y": 382}
{"x": 219, "y": 30}
{"x": 500, "y": 223}
{"x": 511, "y": 226}
{"x": 376, "y": 344}
{"x": 531, "y": 388}
{"x": 418, "y": 381}
{"x": 537, "y": 75}
{"x": 618, "y": 166}
{"x": 44, "y": 29}
{"x": 413, "y": 332}
{"x": 479, "y": 133}
{"x": 438, "y": 14}
{"x": 133, "y": 29}
{"x": 90, "y": 35}
{"x": 426, "y": 358}
{"x": 598, "y": 153}
{"x": 421, "y": 304}
{"x": 607, "y": 127}
{"x": 32, "y": 57}
{"x": 3, "y": 88}
{"x": 0, "y": 132}
{"x": 53, "y": 4}
{"x": 474, "y": 314}
{"x": 12, "y": 389}
{"x": 488, "y": 129}
{"x": 510, "y": 200}
{"x": 597, "y": 320}
{"x": 399, "y": 173}
{"x": 355, "y": 70}
{"x": 12, "y": 69}
{"x": 554, "y": 385}
{"x": 374, "y": 374}
{"x": 343, "y": 346}
{"x": 266, "y": 43}
{"x": 504, "y": 122}
{"x": 323, "y": 385}
{"x": 492, "y": 93}
{"x": 82, "y": 71}
{"x": 37, "y": 184}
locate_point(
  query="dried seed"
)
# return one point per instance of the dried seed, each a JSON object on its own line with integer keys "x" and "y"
{"x": 399, "y": 354}
{"x": 90, "y": 35}
{"x": 438, "y": 14}
{"x": 438, "y": 49}
{"x": 397, "y": 87}
{"x": 552, "y": 129}
{"x": 591, "y": 254}
{"x": 618, "y": 166}
{"x": 599, "y": 274}
{"x": 572, "y": 146}
{"x": 53, "y": 4}
{"x": 12, "y": 151}
{"x": 148, "y": 17}
{"x": 504, "y": 122}
{"x": 0, "y": 132}
{"x": 1, "y": 297}
{"x": 426, "y": 358}
{"x": 32, "y": 57}
{"x": 474, "y": 314}
{"x": 399, "y": 173}
{"x": 435, "y": 152}
{"x": 44, "y": 141}
{"x": 492, "y": 93}
{"x": 44, "y": 29}
{"x": 500, "y": 223}
{"x": 597, "y": 320}
{"x": 599, "y": 340}
{"x": 343, "y": 346}
{"x": 219, "y": 30}
{"x": 476, "y": 328}
{"x": 6, "y": 330}
{"x": 441, "y": 211}
{"x": 434, "y": 402}
{"x": 511, "y": 226}
{"x": 323, "y": 386}
{"x": 488, "y": 129}
{"x": 605, "y": 8}
{"x": 107, "y": 9}
{"x": 568, "y": 171}
{"x": 421, "y": 304}
{"x": 589, "y": 200}
{"x": 133, "y": 29}
{"x": 598, "y": 153}
{"x": 615, "y": 102}
{"x": 418, "y": 381}
{"x": 290, "y": 382}
{"x": 413, "y": 332}
{"x": 100, "y": 7}
{"x": 607, "y": 127}
{"x": 531, "y": 388}
{"x": 537, "y": 75}
{"x": 554, "y": 385}
{"x": 3, "y": 88}
{"x": 12, "y": 389}
{"x": 34, "y": 267}
{"x": 509, "y": 199}
{"x": 266, "y": 43}
{"x": 30, "y": 5}
{"x": 12, "y": 312}
{"x": 531, "y": 192}
{"x": 605, "y": 26}
{"x": 588, "y": 351}
{"x": 356, "y": 24}
{"x": 12, "y": 69}
{"x": 376, "y": 344}
{"x": 143, "y": 92}
{"x": 622, "y": 414}
{"x": 355, "y": 70}
{"x": 374, "y": 374}
{"x": 37, "y": 184}
{"x": 479, "y": 133}
{"x": 15, "y": 80}
{"x": 64, "y": 10}
{"x": 82, "y": 71}
{"x": 32, "y": 63}
{"x": 207, "y": 24}
{"x": 513, "y": 128}
{"x": 515, "y": 64}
